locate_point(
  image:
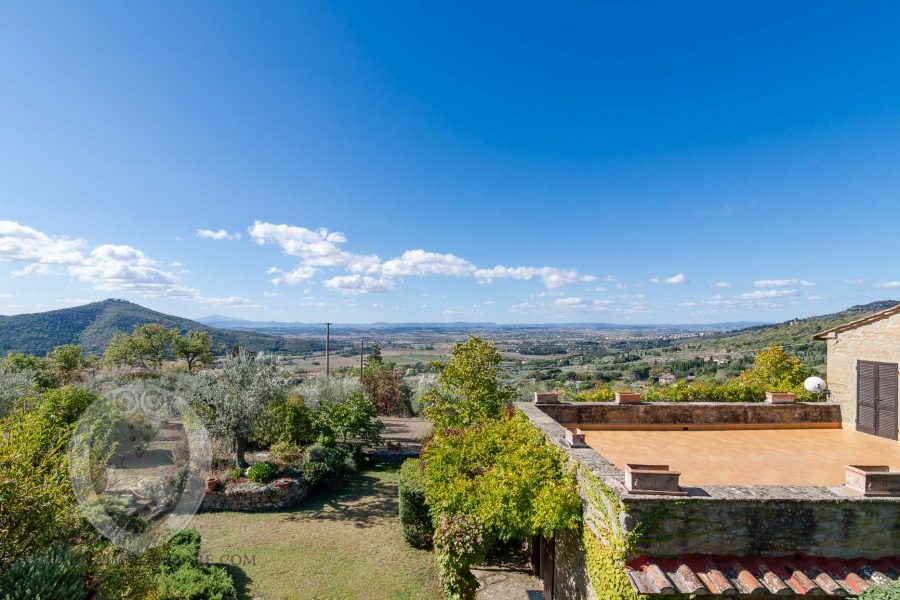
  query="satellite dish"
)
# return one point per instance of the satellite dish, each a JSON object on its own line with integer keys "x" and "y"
{"x": 816, "y": 385}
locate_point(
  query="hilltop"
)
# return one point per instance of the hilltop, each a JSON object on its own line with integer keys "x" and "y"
{"x": 92, "y": 325}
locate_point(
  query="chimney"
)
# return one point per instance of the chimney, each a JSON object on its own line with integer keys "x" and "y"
{"x": 546, "y": 397}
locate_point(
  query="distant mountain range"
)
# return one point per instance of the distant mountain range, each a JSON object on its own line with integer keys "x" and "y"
{"x": 92, "y": 326}
{"x": 284, "y": 327}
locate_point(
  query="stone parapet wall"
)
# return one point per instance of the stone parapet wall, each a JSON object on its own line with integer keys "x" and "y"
{"x": 694, "y": 413}
{"x": 741, "y": 520}
{"x": 254, "y": 497}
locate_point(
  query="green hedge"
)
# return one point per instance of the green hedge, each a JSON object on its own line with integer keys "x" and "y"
{"x": 886, "y": 592}
{"x": 415, "y": 522}
{"x": 52, "y": 573}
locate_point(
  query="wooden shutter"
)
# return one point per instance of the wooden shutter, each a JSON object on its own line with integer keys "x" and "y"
{"x": 886, "y": 401}
{"x": 866, "y": 379}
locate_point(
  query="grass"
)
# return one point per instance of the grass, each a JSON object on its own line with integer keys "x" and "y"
{"x": 338, "y": 545}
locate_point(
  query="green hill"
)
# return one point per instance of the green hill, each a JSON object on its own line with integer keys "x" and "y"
{"x": 795, "y": 335}
{"x": 92, "y": 326}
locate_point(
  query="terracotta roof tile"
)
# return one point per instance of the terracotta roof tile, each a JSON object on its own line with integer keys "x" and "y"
{"x": 753, "y": 576}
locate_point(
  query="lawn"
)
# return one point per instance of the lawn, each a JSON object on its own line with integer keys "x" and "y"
{"x": 339, "y": 545}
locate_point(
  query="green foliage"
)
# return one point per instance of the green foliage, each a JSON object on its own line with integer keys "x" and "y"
{"x": 65, "y": 363}
{"x": 183, "y": 577}
{"x": 774, "y": 370}
{"x": 890, "y": 591}
{"x": 287, "y": 421}
{"x": 469, "y": 389}
{"x": 55, "y": 572}
{"x": 355, "y": 418}
{"x": 415, "y": 521}
{"x": 325, "y": 465}
{"x": 195, "y": 348}
{"x": 36, "y": 500}
{"x": 601, "y": 393}
{"x": 459, "y": 543}
{"x": 499, "y": 480}
{"x": 262, "y": 472}
{"x": 285, "y": 451}
{"x": 701, "y": 391}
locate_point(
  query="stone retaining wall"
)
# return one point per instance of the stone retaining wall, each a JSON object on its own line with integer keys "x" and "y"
{"x": 254, "y": 497}
{"x": 694, "y": 413}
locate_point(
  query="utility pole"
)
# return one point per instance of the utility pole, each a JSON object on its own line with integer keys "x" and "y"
{"x": 327, "y": 349}
{"x": 361, "y": 342}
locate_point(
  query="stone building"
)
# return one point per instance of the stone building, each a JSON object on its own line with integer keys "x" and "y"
{"x": 862, "y": 371}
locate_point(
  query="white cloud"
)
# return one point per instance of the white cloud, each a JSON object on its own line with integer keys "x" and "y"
{"x": 272, "y": 294}
{"x": 766, "y": 294}
{"x": 854, "y": 281}
{"x": 886, "y": 285}
{"x": 218, "y": 234}
{"x": 20, "y": 243}
{"x": 610, "y": 278}
{"x": 783, "y": 283}
{"x": 552, "y": 277}
{"x": 676, "y": 279}
{"x": 5, "y": 295}
{"x": 116, "y": 267}
{"x": 359, "y": 284}
{"x": 294, "y": 277}
{"x": 420, "y": 263}
{"x": 721, "y": 284}
{"x": 571, "y": 301}
{"x": 317, "y": 248}
{"x": 815, "y": 297}
{"x": 232, "y": 301}
{"x": 377, "y": 305}
{"x": 312, "y": 304}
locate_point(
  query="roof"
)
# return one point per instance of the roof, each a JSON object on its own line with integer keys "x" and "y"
{"x": 859, "y": 322}
{"x": 705, "y": 575}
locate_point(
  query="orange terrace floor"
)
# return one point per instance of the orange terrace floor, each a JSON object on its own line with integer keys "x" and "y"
{"x": 748, "y": 456}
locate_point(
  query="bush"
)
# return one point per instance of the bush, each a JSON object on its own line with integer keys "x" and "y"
{"x": 415, "y": 522}
{"x": 285, "y": 451}
{"x": 197, "y": 582}
{"x": 289, "y": 420}
{"x": 53, "y": 573}
{"x": 327, "y": 464}
{"x": 890, "y": 591}
{"x": 262, "y": 472}
{"x": 183, "y": 577}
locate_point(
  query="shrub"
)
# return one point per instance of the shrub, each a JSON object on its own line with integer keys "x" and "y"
{"x": 890, "y": 591}
{"x": 52, "y": 573}
{"x": 183, "y": 577}
{"x": 262, "y": 472}
{"x": 197, "y": 582}
{"x": 289, "y": 420}
{"x": 285, "y": 451}
{"x": 459, "y": 543}
{"x": 415, "y": 522}
{"x": 327, "y": 464}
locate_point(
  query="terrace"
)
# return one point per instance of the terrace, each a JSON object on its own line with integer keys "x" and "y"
{"x": 760, "y": 493}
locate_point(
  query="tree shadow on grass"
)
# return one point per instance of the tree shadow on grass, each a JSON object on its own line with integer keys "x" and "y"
{"x": 241, "y": 580}
{"x": 363, "y": 501}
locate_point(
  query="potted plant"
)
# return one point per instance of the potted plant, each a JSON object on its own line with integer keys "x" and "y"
{"x": 212, "y": 484}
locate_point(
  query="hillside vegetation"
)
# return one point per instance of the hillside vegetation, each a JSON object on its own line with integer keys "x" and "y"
{"x": 93, "y": 325}
{"x": 795, "y": 335}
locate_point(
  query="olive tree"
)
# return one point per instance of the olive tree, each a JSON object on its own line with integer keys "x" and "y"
{"x": 230, "y": 401}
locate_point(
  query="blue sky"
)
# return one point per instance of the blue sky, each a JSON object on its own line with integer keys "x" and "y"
{"x": 408, "y": 161}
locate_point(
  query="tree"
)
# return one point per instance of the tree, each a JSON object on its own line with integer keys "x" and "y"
{"x": 152, "y": 342}
{"x": 149, "y": 345}
{"x": 65, "y": 363}
{"x": 231, "y": 402}
{"x": 469, "y": 389}
{"x": 375, "y": 354}
{"x": 354, "y": 418}
{"x": 384, "y": 384}
{"x": 774, "y": 370}
{"x": 195, "y": 348}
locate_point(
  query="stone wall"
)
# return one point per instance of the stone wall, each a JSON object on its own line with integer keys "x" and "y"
{"x": 720, "y": 520}
{"x": 877, "y": 341}
{"x": 254, "y": 497}
{"x": 857, "y": 528}
{"x": 693, "y": 413}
